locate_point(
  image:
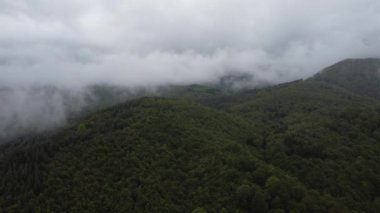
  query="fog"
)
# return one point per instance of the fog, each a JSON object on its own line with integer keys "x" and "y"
{"x": 72, "y": 44}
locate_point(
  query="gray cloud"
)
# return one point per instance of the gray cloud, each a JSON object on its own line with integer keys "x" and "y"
{"x": 35, "y": 109}
{"x": 146, "y": 43}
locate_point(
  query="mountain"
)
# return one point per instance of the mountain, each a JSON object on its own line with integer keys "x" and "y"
{"x": 304, "y": 146}
{"x": 40, "y": 108}
{"x": 357, "y": 75}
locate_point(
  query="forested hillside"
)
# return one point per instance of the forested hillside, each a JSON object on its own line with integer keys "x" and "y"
{"x": 305, "y": 146}
{"x": 357, "y": 75}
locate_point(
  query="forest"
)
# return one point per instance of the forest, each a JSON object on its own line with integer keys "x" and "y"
{"x": 309, "y": 145}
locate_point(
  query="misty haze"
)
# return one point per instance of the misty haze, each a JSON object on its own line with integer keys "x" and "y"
{"x": 189, "y": 106}
{"x": 74, "y": 44}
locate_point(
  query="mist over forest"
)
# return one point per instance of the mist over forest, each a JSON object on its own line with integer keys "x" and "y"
{"x": 51, "y": 51}
{"x": 190, "y": 106}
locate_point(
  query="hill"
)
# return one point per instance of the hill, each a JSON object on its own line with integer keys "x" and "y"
{"x": 361, "y": 76}
{"x": 149, "y": 155}
{"x": 304, "y": 146}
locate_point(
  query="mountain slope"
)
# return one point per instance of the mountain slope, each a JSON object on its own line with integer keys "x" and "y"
{"x": 315, "y": 132}
{"x": 361, "y": 76}
{"x": 303, "y": 146}
{"x": 152, "y": 154}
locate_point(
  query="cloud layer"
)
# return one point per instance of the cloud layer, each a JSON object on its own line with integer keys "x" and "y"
{"x": 71, "y": 44}
{"x": 134, "y": 43}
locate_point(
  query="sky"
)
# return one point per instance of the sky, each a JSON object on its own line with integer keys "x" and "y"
{"x": 71, "y": 44}
{"x": 141, "y": 42}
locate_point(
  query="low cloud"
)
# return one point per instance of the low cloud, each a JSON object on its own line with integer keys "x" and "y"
{"x": 73, "y": 44}
{"x": 143, "y": 42}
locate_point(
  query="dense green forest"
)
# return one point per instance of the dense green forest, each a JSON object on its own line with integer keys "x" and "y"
{"x": 305, "y": 146}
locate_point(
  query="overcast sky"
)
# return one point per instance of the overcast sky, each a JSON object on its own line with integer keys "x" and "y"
{"x": 74, "y": 43}
{"x": 140, "y": 42}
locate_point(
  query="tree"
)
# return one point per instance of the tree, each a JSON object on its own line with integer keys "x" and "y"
{"x": 258, "y": 203}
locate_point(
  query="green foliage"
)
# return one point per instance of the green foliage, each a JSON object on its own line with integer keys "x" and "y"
{"x": 357, "y": 75}
{"x": 259, "y": 202}
{"x": 199, "y": 210}
{"x": 81, "y": 127}
{"x": 304, "y": 146}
